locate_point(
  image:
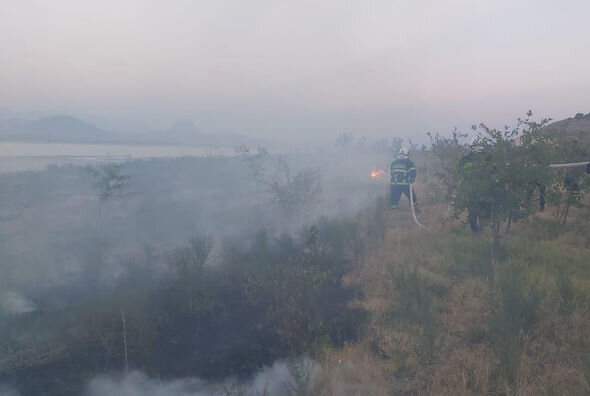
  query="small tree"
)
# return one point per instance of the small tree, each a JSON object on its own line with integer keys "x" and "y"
{"x": 344, "y": 140}
{"x": 502, "y": 167}
{"x": 189, "y": 263}
{"x": 449, "y": 151}
{"x": 109, "y": 181}
{"x": 293, "y": 193}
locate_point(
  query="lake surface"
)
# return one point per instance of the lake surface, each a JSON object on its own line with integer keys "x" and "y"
{"x": 18, "y": 156}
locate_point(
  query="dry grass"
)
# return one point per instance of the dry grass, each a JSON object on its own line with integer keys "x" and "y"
{"x": 353, "y": 370}
{"x": 447, "y": 348}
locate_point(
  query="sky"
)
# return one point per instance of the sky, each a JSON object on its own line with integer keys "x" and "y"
{"x": 304, "y": 69}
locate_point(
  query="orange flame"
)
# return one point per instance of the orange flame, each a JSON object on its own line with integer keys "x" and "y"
{"x": 375, "y": 173}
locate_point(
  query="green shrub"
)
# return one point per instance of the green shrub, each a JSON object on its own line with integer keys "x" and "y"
{"x": 565, "y": 290}
{"x": 515, "y": 316}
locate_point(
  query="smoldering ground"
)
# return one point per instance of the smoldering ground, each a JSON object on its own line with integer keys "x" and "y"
{"x": 90, "y": 267}
{"x": 5, "y": 390}
{"x": 52, "y": 232}
{"x": 275, "y": 380}
{"x": 12, "y": 302}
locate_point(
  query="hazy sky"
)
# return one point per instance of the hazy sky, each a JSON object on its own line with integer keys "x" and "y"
{"x": 311, "y": 68}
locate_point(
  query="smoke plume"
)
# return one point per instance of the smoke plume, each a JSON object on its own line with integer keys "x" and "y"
{"x": 279, "y": 379}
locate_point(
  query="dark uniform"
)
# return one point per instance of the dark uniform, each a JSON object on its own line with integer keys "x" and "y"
{"x": 403, "y": 173}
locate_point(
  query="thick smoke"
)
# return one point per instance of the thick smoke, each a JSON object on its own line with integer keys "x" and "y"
{"x": 138, "y": 384}
{"x": 272, "y": 381}
{"x": 7, "y": 391}
{"x": 84, "y": 259}
{"x": 14, "y": 303}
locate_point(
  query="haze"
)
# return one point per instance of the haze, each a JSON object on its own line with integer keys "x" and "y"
{"x": 306, "y": 68}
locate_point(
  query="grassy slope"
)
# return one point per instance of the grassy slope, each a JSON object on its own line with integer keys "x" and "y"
{"x": 446, "y": 320}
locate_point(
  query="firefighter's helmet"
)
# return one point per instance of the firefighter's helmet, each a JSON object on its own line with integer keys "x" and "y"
{"x": 403, "y": 153}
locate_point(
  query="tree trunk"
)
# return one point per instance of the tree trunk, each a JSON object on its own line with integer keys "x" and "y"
{"x": 495, "y": 225}
{"x": 567, "y": 208}
{"x": 124, "y": 339}
{"x": 496, "y": 241}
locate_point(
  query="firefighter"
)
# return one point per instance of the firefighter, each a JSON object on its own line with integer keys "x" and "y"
{"x": 403, "y": 173}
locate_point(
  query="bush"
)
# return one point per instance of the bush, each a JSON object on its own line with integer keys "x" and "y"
{"x": 414, "y": 307}
{"x": 565, "y": 290}
{"x": 515, "y": 316}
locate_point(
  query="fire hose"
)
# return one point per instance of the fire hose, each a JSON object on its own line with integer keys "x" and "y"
{"x": 412, "y": 206}
{"x": 570, "y": 165}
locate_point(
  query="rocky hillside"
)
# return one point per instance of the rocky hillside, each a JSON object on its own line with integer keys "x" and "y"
{"x": 577, "y": 126}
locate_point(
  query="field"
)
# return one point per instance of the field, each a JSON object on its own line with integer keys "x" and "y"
{"x": 195, "y": 273}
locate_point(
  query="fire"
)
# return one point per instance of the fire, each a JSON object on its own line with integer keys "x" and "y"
{"x": 375, "y": 173}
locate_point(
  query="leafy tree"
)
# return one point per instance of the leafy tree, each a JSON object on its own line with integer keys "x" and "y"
{"x": 109, "y": 181}
{"x": 568, "y": 183}
{"x": 503, "y": 165}
{"x": 448, "y": 151}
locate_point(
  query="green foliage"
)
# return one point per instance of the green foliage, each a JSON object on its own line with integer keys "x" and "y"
{"x": 515, "y": 316}
{"x": 498, "y": 175}
{"x": 565, "y": 291}
{"x": 343, "y": 238}
{"x": 109, "y": 180}
{"x": 301, "y": 370}
{"x": 414, "y": 308}
{"x": 378, "y": 225}
{"x": 582, "y": 116}
{"x": 569, "y": 183}
{"x": 297, "y": 286}
{"x": 301, "y": 290}
{"x": 448, "y": 152}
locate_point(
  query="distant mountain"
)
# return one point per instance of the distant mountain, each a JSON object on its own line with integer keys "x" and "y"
{"x": 577, "y": 126}
{"x": 62, "y": 127}
{"x": 68, "y": 129}
{"x": 59, "y": 128}
{"x": 62, "y": 124}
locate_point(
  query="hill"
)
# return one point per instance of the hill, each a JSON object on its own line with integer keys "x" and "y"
{"x": 63, "y": 127}
{"x": 68, "y": 129}
{"x": 58, "y": 128}
{"x": 577, "y": 126}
